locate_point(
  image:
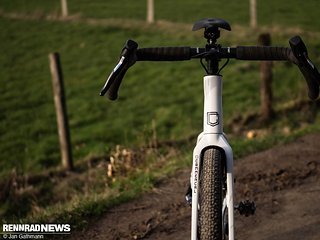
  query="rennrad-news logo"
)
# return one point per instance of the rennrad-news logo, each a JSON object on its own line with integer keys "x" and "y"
{"x": 38, "y": 228}
{"x": 33, "y": 231}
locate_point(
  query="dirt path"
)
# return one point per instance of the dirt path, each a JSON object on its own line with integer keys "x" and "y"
{"x": 283, "y": 181}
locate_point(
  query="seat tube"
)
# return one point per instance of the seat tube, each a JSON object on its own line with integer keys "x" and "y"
{"x": 212, "y": 115}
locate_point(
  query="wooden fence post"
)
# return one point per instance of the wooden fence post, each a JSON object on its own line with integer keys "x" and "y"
{"x": 150, "y": 11}
{"x": 253, "y": 14}
{"x": 265, "y": 81}
{"x": 61, "y": 111}
{"x": 64, "y": 8}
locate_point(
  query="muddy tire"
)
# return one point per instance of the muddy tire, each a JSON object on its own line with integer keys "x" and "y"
{"x": 211, "y": 195}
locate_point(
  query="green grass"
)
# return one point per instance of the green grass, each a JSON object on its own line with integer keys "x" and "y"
{"x": 28, "y": 126}
{"x": 294, "y": 13}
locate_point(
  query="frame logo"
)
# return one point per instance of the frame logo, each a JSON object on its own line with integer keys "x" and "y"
{"x": 213, "y": 118}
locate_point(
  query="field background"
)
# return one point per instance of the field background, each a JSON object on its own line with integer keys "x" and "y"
{"x": 154, "y": 98}
{"x": 295, "y": 13}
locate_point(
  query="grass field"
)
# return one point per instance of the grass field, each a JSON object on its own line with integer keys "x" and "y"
{"x": 154, "y": 97}
{"x": 29, "y": 140}
{"x": 283, "y": 12}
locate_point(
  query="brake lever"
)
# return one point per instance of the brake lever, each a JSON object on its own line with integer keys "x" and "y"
{"x": 309, "y": 61}
{"x": 112, "y": 76}
{"x": 127, "y": 59}
{"x": 307, "y": 68}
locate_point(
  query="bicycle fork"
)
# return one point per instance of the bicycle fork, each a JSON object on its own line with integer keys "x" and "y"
{"x": 213, "y": 136}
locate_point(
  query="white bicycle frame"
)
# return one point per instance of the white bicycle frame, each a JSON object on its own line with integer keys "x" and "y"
{"x": 212, "y": 136}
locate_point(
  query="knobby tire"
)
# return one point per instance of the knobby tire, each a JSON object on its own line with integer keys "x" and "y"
{"x": 211, "y": 195}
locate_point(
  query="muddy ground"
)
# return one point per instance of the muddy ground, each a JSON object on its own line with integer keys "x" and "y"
{"x": 283, "y": 181}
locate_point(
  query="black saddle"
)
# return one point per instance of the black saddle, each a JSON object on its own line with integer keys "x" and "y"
{"x": 211, "y": 23}
{"x": 211, "y": 28}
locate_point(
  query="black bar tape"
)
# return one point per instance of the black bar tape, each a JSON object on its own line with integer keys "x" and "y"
{"x": 164, "y": 54}
{"x": 265, "y": 53}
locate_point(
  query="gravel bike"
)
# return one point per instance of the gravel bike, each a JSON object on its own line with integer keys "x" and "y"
{"x": 211, "y": 191}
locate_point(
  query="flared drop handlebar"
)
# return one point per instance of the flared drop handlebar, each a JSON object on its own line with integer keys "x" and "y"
{"x": 297, "y": 54}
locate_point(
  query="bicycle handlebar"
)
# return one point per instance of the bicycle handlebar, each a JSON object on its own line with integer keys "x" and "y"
{"x": 297, "y": 54}
{"x": 164, "y": 54}
{"x": 265, "y": 53}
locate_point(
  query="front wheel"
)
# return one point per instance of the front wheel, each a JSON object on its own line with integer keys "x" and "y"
{"x": 211, "y": 195}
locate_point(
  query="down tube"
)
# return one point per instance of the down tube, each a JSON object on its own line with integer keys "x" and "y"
{"x": 204, "y": 141}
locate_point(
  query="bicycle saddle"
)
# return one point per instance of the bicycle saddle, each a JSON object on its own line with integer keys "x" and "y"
{"x": 211, "y": 23}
